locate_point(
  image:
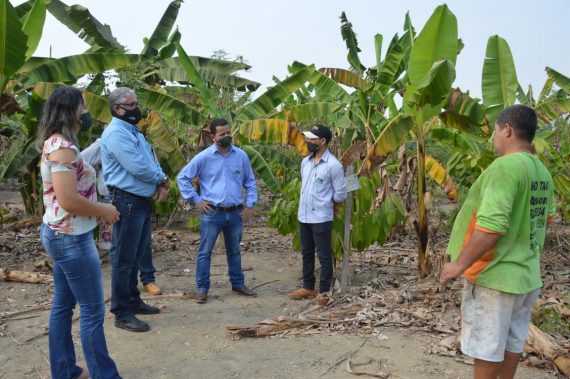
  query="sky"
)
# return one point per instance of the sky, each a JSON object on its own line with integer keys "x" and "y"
{"x": 273, "y": 34}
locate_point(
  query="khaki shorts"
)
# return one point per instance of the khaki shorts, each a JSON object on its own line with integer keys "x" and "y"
{"x": 494, "y": 321}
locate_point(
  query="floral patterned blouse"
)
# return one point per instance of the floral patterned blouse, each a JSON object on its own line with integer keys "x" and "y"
{"x": 55, "y": 217}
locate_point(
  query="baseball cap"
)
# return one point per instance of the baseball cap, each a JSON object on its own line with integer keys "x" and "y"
{"x": 319, "y": 131}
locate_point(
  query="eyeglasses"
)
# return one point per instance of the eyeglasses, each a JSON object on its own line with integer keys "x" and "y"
{"x": 129, "y": 105}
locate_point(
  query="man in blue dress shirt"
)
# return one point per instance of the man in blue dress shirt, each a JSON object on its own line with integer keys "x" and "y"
{"x": 133, "y": 177}
{"x": 223, "y": 170}
{"x": 322, "y": 187}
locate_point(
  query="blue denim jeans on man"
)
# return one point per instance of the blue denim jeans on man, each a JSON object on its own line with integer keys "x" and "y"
{"x": 77, "y": 279}
{"x": 146, "y": 267}
{"x": 131, "y": 239}
{"x": 211, "y": 224}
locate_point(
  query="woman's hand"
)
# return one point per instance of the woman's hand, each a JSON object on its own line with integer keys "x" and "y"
{"x": 110, "y": 214}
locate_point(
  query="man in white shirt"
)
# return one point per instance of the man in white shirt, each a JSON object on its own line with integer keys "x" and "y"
{"x": 323, "y": 185}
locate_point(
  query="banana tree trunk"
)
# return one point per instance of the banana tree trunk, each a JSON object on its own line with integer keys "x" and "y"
{"x": 30, "y": 191}
{"x": 424, "y": 264}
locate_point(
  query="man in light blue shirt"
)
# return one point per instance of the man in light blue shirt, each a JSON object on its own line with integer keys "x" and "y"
{"x": 92, "y": 155}
{"x": 133, "y": 177}
{"x": 223, "y": 170}
{"x": 323, "y": 186}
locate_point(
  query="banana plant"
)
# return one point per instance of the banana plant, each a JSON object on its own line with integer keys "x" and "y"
{"x": 501, "y": 89}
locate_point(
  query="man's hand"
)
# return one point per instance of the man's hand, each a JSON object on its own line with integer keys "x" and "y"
{"x": 449, "y": 271}
{"x": 204, "y": 207}
{"x": 166, "y": 184}
{"x": 161, "y": 194}
{"x": 479, "y": 244}
{"x": 336, "y": 208}
{"x": 246, "y": 212}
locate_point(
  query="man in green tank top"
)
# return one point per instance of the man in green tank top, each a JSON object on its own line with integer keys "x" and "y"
{"x": 496, "y": 243}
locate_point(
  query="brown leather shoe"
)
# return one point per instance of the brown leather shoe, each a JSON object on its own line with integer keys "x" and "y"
{"x": 201, "y": 296}
{"x": 302, "y": 293}
{"x": 152, "y": 289}
{"x": 244, "y": 291}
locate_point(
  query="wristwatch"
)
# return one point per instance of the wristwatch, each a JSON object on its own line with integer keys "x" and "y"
{"x": 164, "y": 180}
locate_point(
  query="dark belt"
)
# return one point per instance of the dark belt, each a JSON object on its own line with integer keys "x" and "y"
{"x": 115, "y": 190}
{"x": 228, "y": 209}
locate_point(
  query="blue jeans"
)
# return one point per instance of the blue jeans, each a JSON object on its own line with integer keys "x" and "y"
{"x": 77, "y": 278}
{"x": 131, "y": 238}
{"x": 211, "y": 224}
{"x": 146, "y": 266}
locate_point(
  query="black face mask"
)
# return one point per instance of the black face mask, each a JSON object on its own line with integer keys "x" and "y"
{"x": 85, "y": 121}
{"x": 132, "y": 116}
{"x": 313, "y": 147}
{"x": 225, "y": 142}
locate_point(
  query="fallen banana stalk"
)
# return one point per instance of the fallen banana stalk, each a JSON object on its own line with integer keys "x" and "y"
{"x": 24, "y": 276}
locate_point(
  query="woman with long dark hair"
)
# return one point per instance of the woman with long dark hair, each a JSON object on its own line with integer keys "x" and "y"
{"x": 71, "y": 212}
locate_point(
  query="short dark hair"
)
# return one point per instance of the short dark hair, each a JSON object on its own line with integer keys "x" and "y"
{"x": 218, "y": 122}
{"x": 521, "y": 118}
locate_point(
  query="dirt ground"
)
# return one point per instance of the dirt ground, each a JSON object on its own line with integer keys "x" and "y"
{"x": 189, "y": 340}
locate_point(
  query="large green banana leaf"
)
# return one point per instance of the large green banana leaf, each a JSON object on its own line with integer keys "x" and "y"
{"x": 159, "y": 37}
{"x": 323, "y": 85}
{"x": 13, "y": 43}
{"x": 436, "y": 41}
{"x": 93, "y": 30}
{"x": 216, "y": 65}
{"x": 390, "y": 67}
{"x": 178, "y": 74}
{"x": 208, "y": 101}
{"x": 342, "y": 76}
{"x": 407, "y": 40}
{"x": 560, "y": 80}
{"x": 22, "y": 152}
{"x": 552, "y": 108}
{"x": 274, "y": 96}
{"x": 167, "y": 105}
{"x": 168, "y": 50}
{"x": 525, "y": 98}
{"x": 98, "y": 106}
{"x": 349, "y": 38}
{"x": 259, "y": 164}
{"x": 378, "y": 40}
{"x": 434, "y": 88}
{"x": 463, "y": 112}
{"x": 457, "y": 141}
{"x": 163, "y": 139}
{"x": 274, "y": 155}
{"x": 499, "y": 83}
{"x": 393, "y": 135}
{"x": 97, "y": 84}
{"x": 81, "y": 22}
{"x": 24, "y": 8}
{"x": 73, "y": 67}
{"x": 32, "y": 63}
{"x": 33, "y": 25}
{"x": 546, "y": 89}
{"x": 308, "y": 111}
